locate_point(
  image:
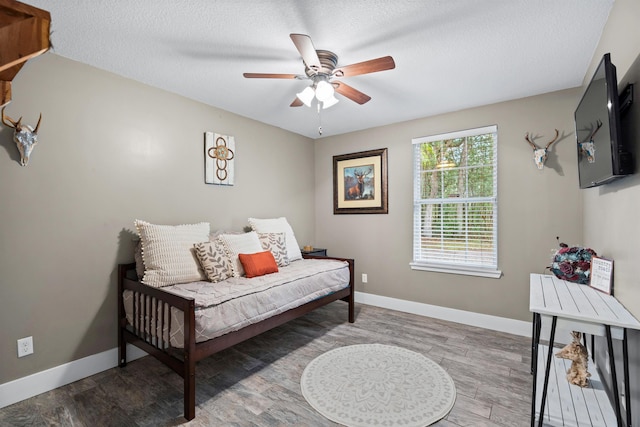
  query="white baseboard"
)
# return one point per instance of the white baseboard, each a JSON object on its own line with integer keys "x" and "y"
{"x": 495, "y": 323}
{"x": 40, "y": 382}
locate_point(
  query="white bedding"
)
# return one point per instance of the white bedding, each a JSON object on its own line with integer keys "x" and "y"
{"x": 230, "y": 305}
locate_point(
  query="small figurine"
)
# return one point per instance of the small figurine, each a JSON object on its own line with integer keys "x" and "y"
{"x": 577, "y": 353}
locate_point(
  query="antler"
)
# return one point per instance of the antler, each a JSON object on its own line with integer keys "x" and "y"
{"x": 38, "y": 125}
{"x": 17, "y": 125}
{"x": 599, "y": 125}
{"x": 535, "y": 147}
{"x": 531, "y": 143}
{"x": 553, "y": 140}
{"x": 12, "y": 123}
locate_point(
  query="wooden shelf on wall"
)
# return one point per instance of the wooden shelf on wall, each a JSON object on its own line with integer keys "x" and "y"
{"x": 24, "y": 34}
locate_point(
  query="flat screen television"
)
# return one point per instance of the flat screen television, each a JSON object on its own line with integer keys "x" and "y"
{"x": 602, "y": 154}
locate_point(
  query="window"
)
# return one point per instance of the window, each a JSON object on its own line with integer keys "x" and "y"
{"x": 455, "y": 205}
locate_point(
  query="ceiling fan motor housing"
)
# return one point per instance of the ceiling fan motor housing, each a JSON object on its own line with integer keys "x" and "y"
{"x": 328, "y": 62}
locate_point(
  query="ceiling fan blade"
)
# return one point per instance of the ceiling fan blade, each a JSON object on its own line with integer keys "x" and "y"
{"x": 351, "y": 93}
{"x": 366, "y": 67}
{"x": 296, "y": 103}
{"x": 269, "y": 76}
{"x": 307, "y": 51}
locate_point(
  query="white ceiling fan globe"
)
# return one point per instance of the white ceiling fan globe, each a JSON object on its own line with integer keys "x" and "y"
{"x": 324, "y": 91}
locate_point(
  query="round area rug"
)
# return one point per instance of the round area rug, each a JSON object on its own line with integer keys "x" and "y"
{"x": 378, "y": 385}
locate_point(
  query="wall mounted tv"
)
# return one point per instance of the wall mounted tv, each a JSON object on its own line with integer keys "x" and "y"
{"x": 602, "y": 153}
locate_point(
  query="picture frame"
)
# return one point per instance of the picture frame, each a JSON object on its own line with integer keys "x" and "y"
{"x": 360, "y": 183}
{"x": 601, "y": 275}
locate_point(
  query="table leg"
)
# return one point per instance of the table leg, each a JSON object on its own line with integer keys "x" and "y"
{"x": 625, "y": 361}
{"x": 535, "y": 340}
{"x": 614, "y": 377}
{"x": 546, "y": 374}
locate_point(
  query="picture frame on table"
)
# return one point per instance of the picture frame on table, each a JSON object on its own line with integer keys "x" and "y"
{"x": 360, "y": 183}
{"x": 601, "y": 275}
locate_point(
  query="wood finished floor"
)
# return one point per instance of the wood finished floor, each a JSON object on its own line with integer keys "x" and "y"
{"x": 256, "y": 383}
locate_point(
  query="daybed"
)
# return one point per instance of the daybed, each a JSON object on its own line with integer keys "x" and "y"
{"x": 183, "y": 323}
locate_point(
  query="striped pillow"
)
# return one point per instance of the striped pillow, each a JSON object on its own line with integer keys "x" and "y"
{"x": 168, "y": 253}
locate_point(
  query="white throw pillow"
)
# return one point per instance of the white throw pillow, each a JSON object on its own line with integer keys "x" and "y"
{"x": 168, "y": 254}
{"x": 278, "y": 225}
{"x": 235, "y": 244}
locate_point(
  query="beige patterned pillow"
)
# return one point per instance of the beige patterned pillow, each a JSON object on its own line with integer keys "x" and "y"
{"x": 234, "y": 244}
{"x": 279, "y": 225}
{"x": 276, "y": 243}
{"x": 168, "y": 254}
{"x": 214, "y": 260}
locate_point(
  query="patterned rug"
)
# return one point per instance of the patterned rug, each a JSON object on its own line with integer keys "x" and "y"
{"x": 378, "y": 385}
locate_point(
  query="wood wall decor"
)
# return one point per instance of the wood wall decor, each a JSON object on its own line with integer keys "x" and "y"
{"x": 24, "y": 34}
{"x": 219, "y": 155}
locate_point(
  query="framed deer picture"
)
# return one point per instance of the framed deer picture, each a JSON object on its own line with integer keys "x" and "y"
{"x": 360, "y": 183}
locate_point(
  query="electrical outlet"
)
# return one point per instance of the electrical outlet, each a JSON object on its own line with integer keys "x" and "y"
{"x": 364, "y": 278}
{"x": 25, "y": 346}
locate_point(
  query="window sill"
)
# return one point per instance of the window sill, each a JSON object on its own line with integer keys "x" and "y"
{"x": 450, "y": 269}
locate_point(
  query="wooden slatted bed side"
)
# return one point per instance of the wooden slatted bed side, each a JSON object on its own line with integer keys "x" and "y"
{"x": 141, "y": 333}
{"x": 140, "y": 336}
{"x": 146, "y": 331}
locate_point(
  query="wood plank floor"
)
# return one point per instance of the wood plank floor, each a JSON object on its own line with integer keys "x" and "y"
{"x": 257, "y": 383}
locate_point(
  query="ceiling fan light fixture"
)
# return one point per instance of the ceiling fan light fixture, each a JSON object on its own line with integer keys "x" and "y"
{"x": 329, "y": 102}
{"x": 306, "y": 96}
{"x": 324, "y": 91}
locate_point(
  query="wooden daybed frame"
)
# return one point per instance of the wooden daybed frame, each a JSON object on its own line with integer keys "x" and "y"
{"x": 183, "y": 361}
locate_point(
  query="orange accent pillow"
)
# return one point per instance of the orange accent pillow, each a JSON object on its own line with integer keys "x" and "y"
{"x": 258, "y": 264}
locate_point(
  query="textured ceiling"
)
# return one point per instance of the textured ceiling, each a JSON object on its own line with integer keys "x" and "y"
{"x": 449, "y": 54}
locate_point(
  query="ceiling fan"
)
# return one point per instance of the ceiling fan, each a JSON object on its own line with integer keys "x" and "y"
{"x": 321, "y": 68}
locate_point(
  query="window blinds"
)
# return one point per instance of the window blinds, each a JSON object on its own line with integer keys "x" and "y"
{"x": 455, "y": 200}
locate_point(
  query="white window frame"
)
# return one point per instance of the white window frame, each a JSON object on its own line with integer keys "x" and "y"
{"x": 420, "y": 262}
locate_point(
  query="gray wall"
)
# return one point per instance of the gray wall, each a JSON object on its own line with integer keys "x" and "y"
{"x": 112, "y": 150}
{"x": 534, "y": 206}
{"x": 611, "y": 212}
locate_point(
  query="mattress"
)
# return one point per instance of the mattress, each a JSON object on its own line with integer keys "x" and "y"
{"x": 230, "y": 305}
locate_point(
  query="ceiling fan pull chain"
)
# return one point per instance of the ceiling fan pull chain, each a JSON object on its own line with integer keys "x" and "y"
{"x": 319, "y": 118}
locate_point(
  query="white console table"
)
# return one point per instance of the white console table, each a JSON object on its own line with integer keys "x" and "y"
{"x": 575, "y": 307}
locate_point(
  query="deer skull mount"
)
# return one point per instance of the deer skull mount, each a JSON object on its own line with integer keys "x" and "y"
{"x": 540, "y": 154}
{"x": 24, "y": 136}
{"x": 587, "y": 147}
